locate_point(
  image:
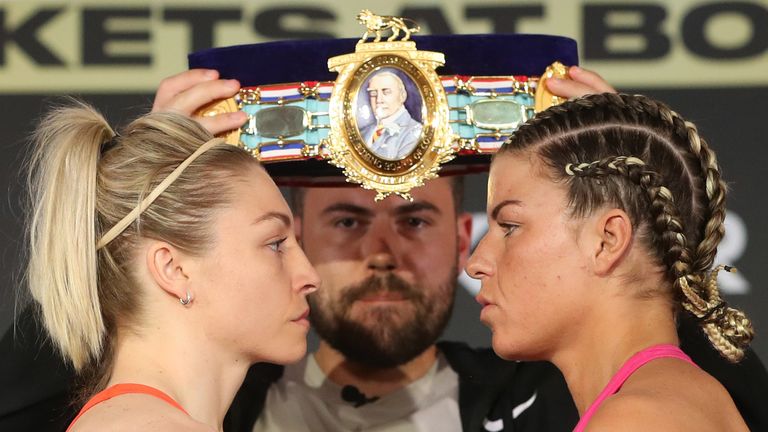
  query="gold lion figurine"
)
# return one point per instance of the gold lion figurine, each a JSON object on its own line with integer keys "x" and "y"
{"x": 375, "y": 24}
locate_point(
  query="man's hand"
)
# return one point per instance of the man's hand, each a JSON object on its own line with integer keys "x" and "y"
{"x": 582, "y": 82}
{"x": 191, "y": 90}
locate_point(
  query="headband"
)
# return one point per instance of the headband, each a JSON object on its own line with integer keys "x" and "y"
{"x": 159, "y": 189}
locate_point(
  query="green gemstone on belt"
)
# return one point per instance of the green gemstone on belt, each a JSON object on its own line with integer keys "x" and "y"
{"x": 496, "y": 114}
{"x": 281, "y": 121}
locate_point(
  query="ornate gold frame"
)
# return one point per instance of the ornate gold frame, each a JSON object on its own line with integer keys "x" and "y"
{"x": 347, "y": 149}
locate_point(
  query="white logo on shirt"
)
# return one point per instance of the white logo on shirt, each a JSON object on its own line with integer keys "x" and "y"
{"x": 498, "y": 425}
{"x": 516, "y": 411}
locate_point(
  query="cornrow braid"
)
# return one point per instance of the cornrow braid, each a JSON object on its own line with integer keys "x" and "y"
{"x": 652, "y": 163}
{"x": 667, "y": 224}
{"x": 715, "y": 188}
{"x": 729, "y": 330}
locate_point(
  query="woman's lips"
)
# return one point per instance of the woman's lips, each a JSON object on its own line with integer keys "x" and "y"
{"x": 486, "y": 305}
{"x": 303, "y": 319}
{"x": 482, "y": 300}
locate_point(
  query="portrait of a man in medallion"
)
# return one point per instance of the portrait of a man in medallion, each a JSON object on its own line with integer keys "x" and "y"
{"x": 389, "y": 114}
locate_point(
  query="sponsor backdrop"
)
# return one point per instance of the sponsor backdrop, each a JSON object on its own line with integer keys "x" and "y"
{"x": 708, "y": 59}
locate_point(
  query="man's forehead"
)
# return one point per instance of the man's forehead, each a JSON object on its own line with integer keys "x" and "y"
{"x": 382, "y": 80}
{"x": 437, "y": 192}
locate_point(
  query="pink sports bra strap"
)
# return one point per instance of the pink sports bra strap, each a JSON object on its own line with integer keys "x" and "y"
{"x": 626, "y": 370}
{"x": 121, "y": 389}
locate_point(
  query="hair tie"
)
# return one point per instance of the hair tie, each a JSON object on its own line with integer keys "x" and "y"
{"x": 109, "y": 144}
{"x": 716, "y": 309}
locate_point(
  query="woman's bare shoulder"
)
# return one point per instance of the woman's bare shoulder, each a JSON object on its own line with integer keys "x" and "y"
{"x": 132, "y": 412}
{"x": 669, "y": 395}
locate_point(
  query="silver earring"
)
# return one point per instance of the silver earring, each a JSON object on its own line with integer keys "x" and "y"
{"x": 186, "y": 301}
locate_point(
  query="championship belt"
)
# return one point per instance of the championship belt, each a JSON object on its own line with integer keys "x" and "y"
{"x": 389, "y": 115}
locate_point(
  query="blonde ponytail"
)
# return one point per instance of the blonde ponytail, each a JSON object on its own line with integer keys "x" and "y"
{"x": 84, "y": 180}
{"x": 62, "y": 273}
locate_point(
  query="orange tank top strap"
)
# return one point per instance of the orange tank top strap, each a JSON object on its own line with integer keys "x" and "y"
{"x": 121, "y": 389}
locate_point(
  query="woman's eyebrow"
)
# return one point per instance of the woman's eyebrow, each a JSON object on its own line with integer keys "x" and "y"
{"x": 499, "y": 206}
{"x": 274, "y": 215}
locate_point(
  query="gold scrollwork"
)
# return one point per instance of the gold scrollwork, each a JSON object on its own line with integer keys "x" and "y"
{"x": 222, "y": 106}
{"x": 544, "y": 98}
{"x": 353, "y": 118}
{"x": 249, "y": 96}
{"x": 464, "y": 85}
{"x": 309, "y": 89}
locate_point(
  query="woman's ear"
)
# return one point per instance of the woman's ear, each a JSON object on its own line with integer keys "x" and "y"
{"x": 611, "y": 232}
{"x": 166, "y": 267}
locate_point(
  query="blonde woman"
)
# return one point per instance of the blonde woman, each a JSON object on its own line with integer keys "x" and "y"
{"x": 164, "y": 264}
{"x": 605, "y": 215}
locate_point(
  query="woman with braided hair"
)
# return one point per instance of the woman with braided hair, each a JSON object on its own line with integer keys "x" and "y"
{"x": 164, "y": 264}
{"x": 605, "y": 214}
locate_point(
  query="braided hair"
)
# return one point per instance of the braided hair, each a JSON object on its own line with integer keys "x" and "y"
{"x": 637, "y": 154}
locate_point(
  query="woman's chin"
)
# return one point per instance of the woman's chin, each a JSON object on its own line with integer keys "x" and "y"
{"x": 294, "y": 353}
{"x": 510, "y": 350}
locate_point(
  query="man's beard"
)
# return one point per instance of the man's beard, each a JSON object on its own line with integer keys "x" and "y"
{"x": 392, "y": 334}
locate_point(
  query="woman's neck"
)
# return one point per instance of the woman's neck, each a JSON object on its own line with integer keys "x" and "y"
{"x": 200, "y": 377}
{"x": 615, "y": 334}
